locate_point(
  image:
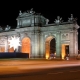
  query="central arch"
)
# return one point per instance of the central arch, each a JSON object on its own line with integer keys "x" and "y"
{"x": 50, "y": 46}
{"x": 26, "y": 45}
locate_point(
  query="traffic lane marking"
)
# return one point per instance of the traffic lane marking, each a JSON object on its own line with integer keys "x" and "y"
{"x": 63, "y": 72}
{"x": 56, "y": 73}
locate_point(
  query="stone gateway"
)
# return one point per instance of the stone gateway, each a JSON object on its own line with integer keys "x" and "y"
{"x": 40, "y": 39}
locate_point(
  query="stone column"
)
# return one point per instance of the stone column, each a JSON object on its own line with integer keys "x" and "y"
{"x": 18, "y": 49}
{"x": 58, "y": 45}
{"x": 37, "y": 44}
{"x": 73, "y": 44}
{"x": 21, "y": 37}
{"x": 71, "y": 48}
{"x": 76, "y": 43}
{"x": 42, "y": 46}
{"x": 33, "y": 21}
{"x": 6, "y": 44}
{"x": 32, "y": 55}
{"x": 18, "y": 23}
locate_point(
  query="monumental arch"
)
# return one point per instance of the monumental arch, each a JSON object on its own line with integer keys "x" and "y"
{"x": 37, "y": 35}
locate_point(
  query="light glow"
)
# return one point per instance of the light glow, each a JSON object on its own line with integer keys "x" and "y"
{"x": 63, "y": 51}
{"x": 47, "y": 56}
{"x": 14, "y": 42}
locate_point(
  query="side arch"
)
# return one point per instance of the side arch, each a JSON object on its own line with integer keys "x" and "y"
{"x": 26, "y": 45}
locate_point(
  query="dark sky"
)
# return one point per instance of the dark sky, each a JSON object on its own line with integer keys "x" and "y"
{"x": 49, "y": 9}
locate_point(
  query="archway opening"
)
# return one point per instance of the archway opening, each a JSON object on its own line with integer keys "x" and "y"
{"x": 50, "y": 46}
{"x": 26, "y": 46}
{"x": 2, "y": 49}
{"x": 65, "y": 50}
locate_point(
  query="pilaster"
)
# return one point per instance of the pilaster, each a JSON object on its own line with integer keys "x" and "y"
{"x": 72, "y": 44}
{"x": 42, "y": 46}
{"x": 58, "y": 45}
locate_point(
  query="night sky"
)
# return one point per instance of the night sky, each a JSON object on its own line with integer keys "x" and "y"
{"x": 49, "y": 9}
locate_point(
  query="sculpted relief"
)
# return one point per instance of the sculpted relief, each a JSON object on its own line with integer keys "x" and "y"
{"x": 2, "y": 41}
{"x": 65, "y": 36}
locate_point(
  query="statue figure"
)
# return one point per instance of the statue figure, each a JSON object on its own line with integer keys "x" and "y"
{"x": 58, "y": 20}
{"x": 7, "y": 28}
{"x": 20, "y": 12}
{"x": 71, "y": 18}
{"x": 27, "y": 11}
{"x": 31, "y": 11}
{"x": 47, "y": 20}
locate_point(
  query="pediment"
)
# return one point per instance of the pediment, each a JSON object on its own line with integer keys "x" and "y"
{"x": 25, "y": 14}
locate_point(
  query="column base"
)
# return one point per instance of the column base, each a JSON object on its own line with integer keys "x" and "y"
{"x": 36, "y": 56}
{"x": 58, "y": 57}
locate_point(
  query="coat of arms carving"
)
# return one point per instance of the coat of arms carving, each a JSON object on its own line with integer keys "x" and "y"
{"x": 65, "y": 36}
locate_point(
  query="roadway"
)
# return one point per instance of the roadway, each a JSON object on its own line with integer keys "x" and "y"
{"x": 66, "y": 73}
{"x": 39, "y": 70}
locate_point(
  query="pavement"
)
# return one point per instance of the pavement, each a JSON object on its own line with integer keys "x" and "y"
{"x": 12, "y": 66}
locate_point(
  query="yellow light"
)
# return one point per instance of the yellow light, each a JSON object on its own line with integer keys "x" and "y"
{"x": 26, "y": 45}
{"x": 47, "y": 56}
{"x": 63, "y": 51}
{"x": 63, "y": 57}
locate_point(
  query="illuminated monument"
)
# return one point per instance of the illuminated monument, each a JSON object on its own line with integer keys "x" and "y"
{"x": 36, "y": 34}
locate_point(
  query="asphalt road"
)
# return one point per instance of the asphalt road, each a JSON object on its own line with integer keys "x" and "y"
{"x": 64, "y": 73}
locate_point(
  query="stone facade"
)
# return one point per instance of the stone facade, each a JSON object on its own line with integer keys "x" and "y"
{"x": 40, "y": 32}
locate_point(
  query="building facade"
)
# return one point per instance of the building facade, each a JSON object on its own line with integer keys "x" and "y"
{"x": 36, "y": 34}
